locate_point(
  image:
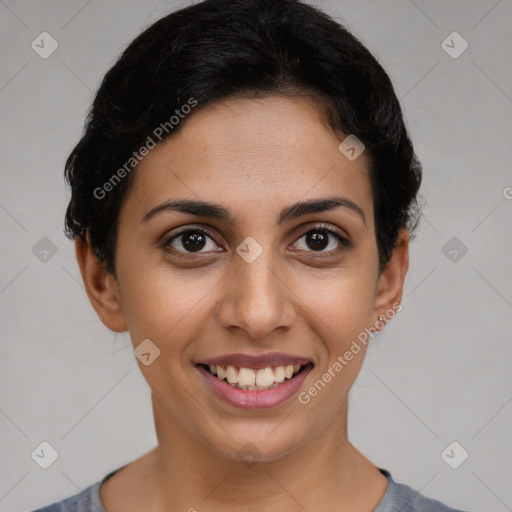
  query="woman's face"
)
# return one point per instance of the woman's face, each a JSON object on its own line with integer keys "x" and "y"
{"x": 258, "y": 284}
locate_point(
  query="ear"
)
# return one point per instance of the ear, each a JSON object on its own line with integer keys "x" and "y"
{"x": 391, "y": 281}
{"x": 100, "y": 285}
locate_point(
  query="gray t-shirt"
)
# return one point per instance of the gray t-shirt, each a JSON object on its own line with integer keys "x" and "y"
{"x": 397, "y": 498}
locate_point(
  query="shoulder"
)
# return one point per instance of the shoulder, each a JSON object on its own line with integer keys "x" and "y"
{"x": 87, "y": 500}
{"x": 402, "y": 498}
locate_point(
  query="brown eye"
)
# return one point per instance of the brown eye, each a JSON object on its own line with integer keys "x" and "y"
{"x": 320, "y": 238}
{"x": 191, "y": 241}
{"x": 317, "y": 240}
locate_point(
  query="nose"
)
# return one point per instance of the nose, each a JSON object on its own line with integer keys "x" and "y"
{"x": 257, "y": 299}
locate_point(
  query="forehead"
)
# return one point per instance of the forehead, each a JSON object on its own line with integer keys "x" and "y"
{"x": 243, "y": 152}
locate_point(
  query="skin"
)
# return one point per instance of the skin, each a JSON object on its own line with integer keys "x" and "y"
{"x": 255, "y": 157}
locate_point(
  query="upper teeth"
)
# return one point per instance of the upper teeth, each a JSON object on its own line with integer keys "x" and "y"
{"x": 247, "y": 378}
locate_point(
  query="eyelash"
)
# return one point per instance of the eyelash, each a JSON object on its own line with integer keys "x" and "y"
{"x": 344, "y": 243}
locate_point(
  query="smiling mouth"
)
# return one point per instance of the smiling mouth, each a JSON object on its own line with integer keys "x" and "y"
{"x": 250, "y": 379}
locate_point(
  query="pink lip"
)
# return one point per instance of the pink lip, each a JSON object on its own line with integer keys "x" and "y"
{"x": 255, "y": 362}
{"x": 254, "y": 399}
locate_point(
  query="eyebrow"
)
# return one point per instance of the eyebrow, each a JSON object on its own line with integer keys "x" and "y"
{"x": 217, "y": 211}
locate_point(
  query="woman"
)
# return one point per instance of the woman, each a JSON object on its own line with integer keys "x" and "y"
{"x": 242, "y": 203}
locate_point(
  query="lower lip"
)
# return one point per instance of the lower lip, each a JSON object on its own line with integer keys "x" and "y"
{"x": 254, "y": 399}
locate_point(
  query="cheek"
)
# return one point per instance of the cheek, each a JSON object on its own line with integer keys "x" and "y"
{"x": 165, "y": 306}
{"x": 342, "y": 303}
{"x": 341, "y": 309}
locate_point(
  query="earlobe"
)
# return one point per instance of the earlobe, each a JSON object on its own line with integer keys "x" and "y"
{"x": 391, "y": 281}
{"x": 100, "y": 286}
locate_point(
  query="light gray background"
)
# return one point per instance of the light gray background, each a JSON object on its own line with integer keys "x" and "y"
{"x": 440, "y": 372}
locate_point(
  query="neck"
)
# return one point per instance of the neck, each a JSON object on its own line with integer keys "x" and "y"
{"x": 327, "y": 473}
